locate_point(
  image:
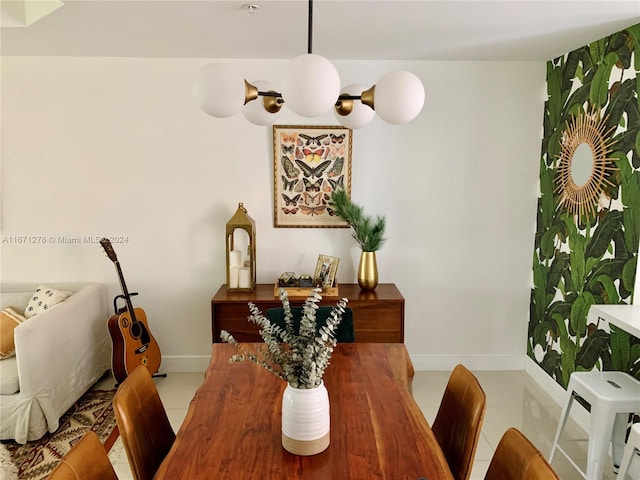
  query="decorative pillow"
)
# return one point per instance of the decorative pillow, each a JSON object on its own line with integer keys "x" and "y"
{"x": 43, "y": 299}
{"x": 9, "y": 320}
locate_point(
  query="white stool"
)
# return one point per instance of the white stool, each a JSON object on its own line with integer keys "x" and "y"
{"x": 633, "y": 446}
{"x": 612, "y": 397}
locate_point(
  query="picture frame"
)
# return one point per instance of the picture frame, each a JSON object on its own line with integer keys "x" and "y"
{"x": 326, "y": 270}
{"x": 309, "y": 163}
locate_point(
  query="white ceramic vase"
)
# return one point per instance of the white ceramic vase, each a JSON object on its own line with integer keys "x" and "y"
{"x": 305, "y": 420}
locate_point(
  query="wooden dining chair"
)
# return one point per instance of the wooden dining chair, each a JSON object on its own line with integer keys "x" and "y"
{"x": 459, "y": 420}
{"x": 147, "y": 435}
{"x": 344, "y": 332}
{"x": 87, "y": 460}
{"x": 516, "y": 458}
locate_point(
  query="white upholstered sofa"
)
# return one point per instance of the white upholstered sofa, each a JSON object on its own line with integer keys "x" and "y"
{"x": 59, "y": 355}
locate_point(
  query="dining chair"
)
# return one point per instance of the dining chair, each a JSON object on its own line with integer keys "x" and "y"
{"x": 344, "y": 332}
{"x": 87, "y": 460}
{"x": 516, "y": 458}
{"x": 147, "y": 435}
{"x": 459, "y": 420}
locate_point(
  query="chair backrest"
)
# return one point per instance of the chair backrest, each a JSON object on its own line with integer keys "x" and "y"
{"x": 87, "y": 460}
{"x": 142, "y": 421}
{"x": 344, "y": 332}
{"x": 516, "y": 458}
{"x": 459, "y": 420}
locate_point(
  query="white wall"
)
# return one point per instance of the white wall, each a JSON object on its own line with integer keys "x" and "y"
{"x": 107, "y": 147}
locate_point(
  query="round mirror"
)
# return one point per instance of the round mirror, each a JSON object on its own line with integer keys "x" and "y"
{"x": 582, "y": 164}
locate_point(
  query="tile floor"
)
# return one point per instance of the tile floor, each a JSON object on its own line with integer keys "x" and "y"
{"x": 513, "y": 399}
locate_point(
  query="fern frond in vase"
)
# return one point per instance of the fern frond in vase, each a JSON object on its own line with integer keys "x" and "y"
{"x": 369, "y": 233}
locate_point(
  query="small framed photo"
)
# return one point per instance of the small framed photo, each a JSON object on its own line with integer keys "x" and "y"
{"x": 326, "y": 270}
{"x": 309, "y": 164}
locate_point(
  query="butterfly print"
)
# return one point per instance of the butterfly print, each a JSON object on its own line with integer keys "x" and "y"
{"x": 337, "y": 167}
{"x": 288, "y": 184}
{"x": 289, "y": 168}
{"x": 313, "y": 172}
{"x": 289, "y": 211}
{"x": 311, "y": 199}
{"x": 288, "y": 148}
{"x": 312, "y": 187}
{"x": 336, "y": 151}
{"x": 299, "y": 154}
{"x": 313, "y": 210}
{"x": 299, "y": 187}
{"x": 311, "y": 141}
{"x": 291, "y": 201}
{"x": 337, "y": 138}
{"x": 299, "y": 142}
{"x": 337, "y": 184}
{"x": 288, "y": 137}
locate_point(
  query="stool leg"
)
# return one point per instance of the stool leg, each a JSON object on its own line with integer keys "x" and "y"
{"x": 625, "y": 463}
{"x": 618, "y": 437}
{"x": 600, "y": 429}
{"x": 561, "y": 423}
{"x": 632, "y": 447}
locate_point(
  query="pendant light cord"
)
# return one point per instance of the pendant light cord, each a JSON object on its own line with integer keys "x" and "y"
{"x": 309, "y": 49}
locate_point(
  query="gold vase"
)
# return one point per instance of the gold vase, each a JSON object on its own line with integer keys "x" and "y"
{"x": 368, "y": 271}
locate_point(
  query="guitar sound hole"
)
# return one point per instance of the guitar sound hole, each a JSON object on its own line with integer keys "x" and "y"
{"x": 135, "y": 330}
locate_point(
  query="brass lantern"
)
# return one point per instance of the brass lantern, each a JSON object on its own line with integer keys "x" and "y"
{"x": 241, "y": 252}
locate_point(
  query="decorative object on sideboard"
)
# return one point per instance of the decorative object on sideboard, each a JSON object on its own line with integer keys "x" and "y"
{"x": 368, "y": 233}
{"x": 240, "y": 249}
{"x": 304, "y": 285}
{"x": 308, "y": 164}
{"x": 298, "y": 355}
{"x": 326, "y": 270}
{"x": 310, "y": 87}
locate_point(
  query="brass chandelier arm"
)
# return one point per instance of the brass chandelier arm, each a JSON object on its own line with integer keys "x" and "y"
{"x": 273, "y": 101}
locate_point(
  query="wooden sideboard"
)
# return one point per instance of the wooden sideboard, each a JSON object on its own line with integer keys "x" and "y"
{"x": 378, "y": 316}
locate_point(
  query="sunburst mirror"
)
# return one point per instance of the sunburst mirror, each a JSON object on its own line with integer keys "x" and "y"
{"x": 584, "y": 164}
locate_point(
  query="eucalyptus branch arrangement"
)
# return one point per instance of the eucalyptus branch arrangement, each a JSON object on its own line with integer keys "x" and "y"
{"x": 298, "y": 358}
{"x": 368, "y": 233}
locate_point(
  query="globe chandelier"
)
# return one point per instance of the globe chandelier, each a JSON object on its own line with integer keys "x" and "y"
{"x": 310, "y": 87}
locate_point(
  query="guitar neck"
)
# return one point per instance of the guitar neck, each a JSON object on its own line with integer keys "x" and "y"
{"x": 125, "y": 292}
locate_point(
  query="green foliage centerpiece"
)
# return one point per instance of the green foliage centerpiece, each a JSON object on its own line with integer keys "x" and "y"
{"x": 300, "y": 358}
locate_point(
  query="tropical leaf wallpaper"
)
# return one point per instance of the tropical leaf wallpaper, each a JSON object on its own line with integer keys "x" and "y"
{"x": 589, "y": 257}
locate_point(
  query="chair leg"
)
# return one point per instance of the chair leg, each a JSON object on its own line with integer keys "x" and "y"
{"x": 600, "y": 429}
{"x": 561, "y": 423}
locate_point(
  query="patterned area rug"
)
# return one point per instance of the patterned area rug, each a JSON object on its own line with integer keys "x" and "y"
{"x": 93, "y": 411}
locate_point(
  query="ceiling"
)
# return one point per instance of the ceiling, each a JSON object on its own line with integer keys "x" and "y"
{"x": 536, "y": 30}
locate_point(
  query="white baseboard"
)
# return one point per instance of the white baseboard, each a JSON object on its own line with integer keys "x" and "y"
{"x": 184, "y": 363}
{"x": 578, "y": 413}
{"x": 472, "y": 362}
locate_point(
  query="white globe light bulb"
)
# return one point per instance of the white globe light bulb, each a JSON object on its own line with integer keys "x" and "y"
{"x": 361, "y": 114}
{"x": 219, "y": 90}
{"x": 398, "y": 97}
{"x": 310, "y": 85}
{"x": 254, "y": 110}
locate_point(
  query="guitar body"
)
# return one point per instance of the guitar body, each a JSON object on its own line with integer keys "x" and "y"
{"x": 133, "y": 344}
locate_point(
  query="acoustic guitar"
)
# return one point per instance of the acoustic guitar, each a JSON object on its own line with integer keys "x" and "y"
{"x": 131, "y": 338}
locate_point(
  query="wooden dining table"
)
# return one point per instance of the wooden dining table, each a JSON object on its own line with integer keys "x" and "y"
{"x": 232, "y": 429}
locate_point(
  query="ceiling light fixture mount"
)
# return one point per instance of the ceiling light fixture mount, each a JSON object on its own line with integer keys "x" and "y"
{"x": 310, "y": 87}
{"x": 251, "y": 7}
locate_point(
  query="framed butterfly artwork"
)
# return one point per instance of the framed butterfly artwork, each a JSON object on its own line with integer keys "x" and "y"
{"x": 309, "y": 164}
